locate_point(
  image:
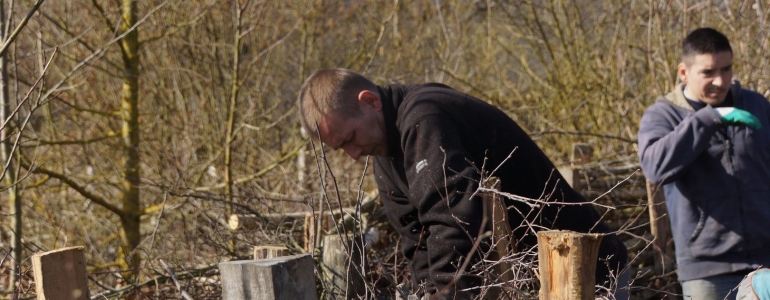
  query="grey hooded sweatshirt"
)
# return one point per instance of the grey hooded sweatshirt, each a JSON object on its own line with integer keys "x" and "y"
{"x": 716, "y": 179}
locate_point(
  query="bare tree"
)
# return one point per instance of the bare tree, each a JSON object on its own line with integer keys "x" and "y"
{"x": 10, "y": 129}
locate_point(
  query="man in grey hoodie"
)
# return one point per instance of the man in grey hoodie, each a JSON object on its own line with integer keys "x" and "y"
{"x": 708, "y": 143}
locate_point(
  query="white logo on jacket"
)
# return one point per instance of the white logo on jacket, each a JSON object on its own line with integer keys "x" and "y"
{"x": 420, "y": 165}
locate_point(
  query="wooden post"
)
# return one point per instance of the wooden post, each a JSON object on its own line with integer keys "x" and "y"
{"x": 581, "y": 155}
{"x": 660, "y": 228}
{"x": 567, "y": 264}
{"x": 342, "y": 267}
{"x": 61, "y": 274}
{"x": 496, "y": 213}
{"x": 570, "y": 176}
{"x": 270, "y": 251}
{"x": 288, "y": 277}
{"x": 315, "y": 228}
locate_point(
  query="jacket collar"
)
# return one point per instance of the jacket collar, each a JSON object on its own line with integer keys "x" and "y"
{"x": 391, "y": 97}
{"x": 676, "y": 97}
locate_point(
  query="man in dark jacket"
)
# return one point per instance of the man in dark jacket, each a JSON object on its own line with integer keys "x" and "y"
{"x": 433, "y": 145}
{"x": 707, "y": 142}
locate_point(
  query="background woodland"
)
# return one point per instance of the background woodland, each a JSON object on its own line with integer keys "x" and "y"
{"x": 135, "y": 128}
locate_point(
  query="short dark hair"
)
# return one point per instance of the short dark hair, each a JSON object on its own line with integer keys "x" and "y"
{"x": 330, "y": 90}
{"x": 704, "y": 41}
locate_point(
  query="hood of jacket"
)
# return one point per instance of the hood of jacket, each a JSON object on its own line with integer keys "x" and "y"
{"x": 676, "y": 97}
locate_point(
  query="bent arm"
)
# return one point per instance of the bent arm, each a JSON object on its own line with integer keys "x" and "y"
{"x": 669, "y": 141}
{"x": 441, "y": 182}
{"x": 402, "y": 216}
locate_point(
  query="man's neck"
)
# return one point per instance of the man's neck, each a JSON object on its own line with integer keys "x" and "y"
{"x": 688, "y": 96}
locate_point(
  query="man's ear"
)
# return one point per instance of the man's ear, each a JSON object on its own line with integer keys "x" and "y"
{"x": 370, "y": 98}
{"x": 681, "y": 70}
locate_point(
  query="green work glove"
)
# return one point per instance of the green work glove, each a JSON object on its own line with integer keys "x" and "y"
{"x": 734, "y": 116}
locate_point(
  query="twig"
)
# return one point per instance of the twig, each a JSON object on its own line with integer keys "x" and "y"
{"x": 21, "y": 25}
{"x": 534, "y": 203}
{"x": 204, "y": 271}
{"x": 176, "y": 282}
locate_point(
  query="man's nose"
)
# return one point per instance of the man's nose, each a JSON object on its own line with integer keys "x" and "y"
{"x": 720, "y": 80}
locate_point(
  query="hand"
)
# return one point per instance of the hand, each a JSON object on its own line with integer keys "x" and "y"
{"x": 735, "y": 116}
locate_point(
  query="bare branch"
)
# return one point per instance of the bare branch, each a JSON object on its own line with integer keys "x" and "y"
{"x": 20, "y": 27}
{"x": 75, "y": 186}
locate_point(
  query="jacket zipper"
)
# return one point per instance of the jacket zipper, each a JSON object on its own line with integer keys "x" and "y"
{"x": 731, "y": 162}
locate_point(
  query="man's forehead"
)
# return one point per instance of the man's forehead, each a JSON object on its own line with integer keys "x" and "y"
{"x": 710, "y": 60}
{"x": 329, "y": 127}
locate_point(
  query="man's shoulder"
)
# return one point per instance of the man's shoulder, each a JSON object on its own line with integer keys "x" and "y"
{"x": 751, "y": 95}
{"x": 427, "y": 99}
{"x": 663, "y": 110}
{"x": 665, "y": 103}
{"x": 427, "y": 91}
{"x": 674, "y": 99}
{"x": 752, "y": 101}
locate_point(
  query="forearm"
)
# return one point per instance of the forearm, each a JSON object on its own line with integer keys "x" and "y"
{"x": 666, "y": 149}
{"x": 454, "y": 221}
{"x": 402, "y": 216}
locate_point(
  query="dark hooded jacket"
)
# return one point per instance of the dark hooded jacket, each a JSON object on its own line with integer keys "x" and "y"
{"x": 440, "y": 142}
{"x": 716, "y": 179}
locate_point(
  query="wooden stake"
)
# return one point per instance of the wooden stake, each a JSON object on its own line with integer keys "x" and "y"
{"x": 503, "y": 245}
{"x": 61, "y": 274}
{"x": 660, "y": 227}
{"x": 288, "y": 277}
{"x": 581, "y": 154}
{"x": 571, "y": 176}
{"x": 567, "y": 264}
{"x": 313, "y": 232}
{"x": 342, "y": 266}
{"x": 270, "y": 251}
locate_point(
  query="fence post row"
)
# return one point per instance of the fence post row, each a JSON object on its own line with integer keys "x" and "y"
{"x": 580, "y": 178}
{"x": 567, "y": 259}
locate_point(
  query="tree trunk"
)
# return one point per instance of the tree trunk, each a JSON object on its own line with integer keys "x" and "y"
{"x": 229, "y": 136}
{"x": 10, "y": 178}
{"x": 130, "y": 235}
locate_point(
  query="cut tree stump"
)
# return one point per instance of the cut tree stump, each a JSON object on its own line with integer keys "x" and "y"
{"x": 281, "y": 278}
{"x": 61, "y": 274}
{"x": 567, "y": 264}
{"x": 240, "y": 222}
